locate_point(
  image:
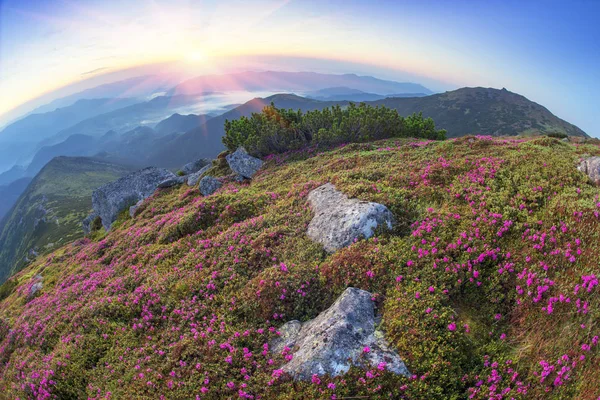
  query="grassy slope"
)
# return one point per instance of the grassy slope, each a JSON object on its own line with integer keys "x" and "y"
{"x": 48, "y": 214}
{"x": 182, "y": 300}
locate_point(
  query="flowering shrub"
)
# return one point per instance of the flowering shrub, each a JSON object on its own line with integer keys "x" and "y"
{"x": 488, "y": 288}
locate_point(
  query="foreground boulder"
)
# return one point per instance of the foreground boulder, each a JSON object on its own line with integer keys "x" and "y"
{"x": 195, "y": 166}
{"x": 209, "y": 185}
{"x": 591, "y": 167}
{"x": 38, "y": 284}
{"x": 109, "y": 200}
{"x": 339, "y": 337}
{"x": 338, "y": 220}
{"x": 243, "y": 164}
{"x": 193, "y": 179}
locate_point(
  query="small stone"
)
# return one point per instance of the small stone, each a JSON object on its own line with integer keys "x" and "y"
{"x": 167, "y": 183}
{"x": 209, "y": 185}
{"x": 195, "y": 166}
{"x": 243, "y": 164}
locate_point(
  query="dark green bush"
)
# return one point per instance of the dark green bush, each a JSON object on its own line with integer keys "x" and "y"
{"x": 558, "y": 135}
{"x": 277, "y": 130}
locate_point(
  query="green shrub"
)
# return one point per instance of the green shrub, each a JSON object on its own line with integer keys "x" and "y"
{"x": 557, "y": 135}
{"x": 277, "y": 130}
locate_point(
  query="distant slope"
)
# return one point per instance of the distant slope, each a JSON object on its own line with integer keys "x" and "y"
{"x": 178, "y": 123}
{"x": 205, "y": 141}
{"x": 49, "y": 213}
{"x": 293, "y": 81}
{"x": 126, "y": 118}
{"x": 10, "y": 193}
{"x": 484, "y": 111}
{"x": 37, "y": 127}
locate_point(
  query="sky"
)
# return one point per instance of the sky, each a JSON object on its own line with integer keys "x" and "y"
{"x": 546, "y": 50}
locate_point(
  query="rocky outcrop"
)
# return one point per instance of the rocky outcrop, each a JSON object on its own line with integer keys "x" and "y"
{"x": 170, "y": 182}
{"x": 243, "y": 164}
{"x": 87, "y": 222}
{"x": 591, "y": 167}
{"x": 109, "y": 200}
{"x": 195, "y": 166}
{"x": 209, "y": 185}
{"x": 193, "y": 179}
{"x": 341, "y": 336}
{"x": 338, "y": 220}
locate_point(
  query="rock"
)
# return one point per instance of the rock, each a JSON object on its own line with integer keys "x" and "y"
{"x": 340, "y": 336}
{"x": 110, "y": 199}
{"x": 209, "y": 185}
{"x": 195, "y": 166}
{"x": 134, "y": 208}
{"x": 35, "y": 287}
{"x": 193, "y": 179}
{"x": 338, "y": 220}
{"x": 167, "y": 183}
{"x": 591, "y": 167}
{"x": 87, "y": 222}
{"x": 243, "y": 164}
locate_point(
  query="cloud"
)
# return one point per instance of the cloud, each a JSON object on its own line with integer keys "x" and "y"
{"x": 94, "y": 71}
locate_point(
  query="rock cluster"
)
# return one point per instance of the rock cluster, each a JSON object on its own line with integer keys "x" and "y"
{"x": 110, "y": 199}
{"x": 338, "y": 220}
{"x": 193, "y": 179}
{"x": 195, "y": 166}
{"x": 341, "y": 336}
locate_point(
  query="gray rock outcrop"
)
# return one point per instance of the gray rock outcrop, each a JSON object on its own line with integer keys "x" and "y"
{"x": 170, "y": 182}
{"x": 209, "y": 185}
{"x": 341, "y": 336}
{"x": 193, "y": 179}
{"x": 591, "y": 167}
{"x": 243, "y": 164}
{"x": 338, "y": 220}
{"x": 195, "y": 166}
{"x": 110, "y": 199}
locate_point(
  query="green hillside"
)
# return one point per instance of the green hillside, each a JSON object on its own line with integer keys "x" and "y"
{"x": 487, "y": 288}
{"x": 49, "y": 213}
{"x": 484, "y": 111}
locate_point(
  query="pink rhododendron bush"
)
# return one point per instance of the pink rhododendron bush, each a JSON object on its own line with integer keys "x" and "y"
{"x": 487, "y": 287}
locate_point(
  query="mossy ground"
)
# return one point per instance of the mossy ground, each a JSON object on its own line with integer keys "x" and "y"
{"x": 487, "y": 286}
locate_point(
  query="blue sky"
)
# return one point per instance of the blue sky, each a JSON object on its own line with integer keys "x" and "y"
{"x": 548, "y": 51}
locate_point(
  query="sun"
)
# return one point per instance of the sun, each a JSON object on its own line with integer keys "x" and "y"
{"x": 194, "y": 56}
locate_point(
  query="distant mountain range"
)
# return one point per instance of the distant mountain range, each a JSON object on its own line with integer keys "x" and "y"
{"x": 49, "y": 212}
{"x": 293, "y": 81}
{"x": 482, "y": 111}
{"x": 345, "y": 93}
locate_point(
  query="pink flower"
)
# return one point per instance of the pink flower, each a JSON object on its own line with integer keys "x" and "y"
{"x": 366, "y": 349}
{"x": 452, "y": 326}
